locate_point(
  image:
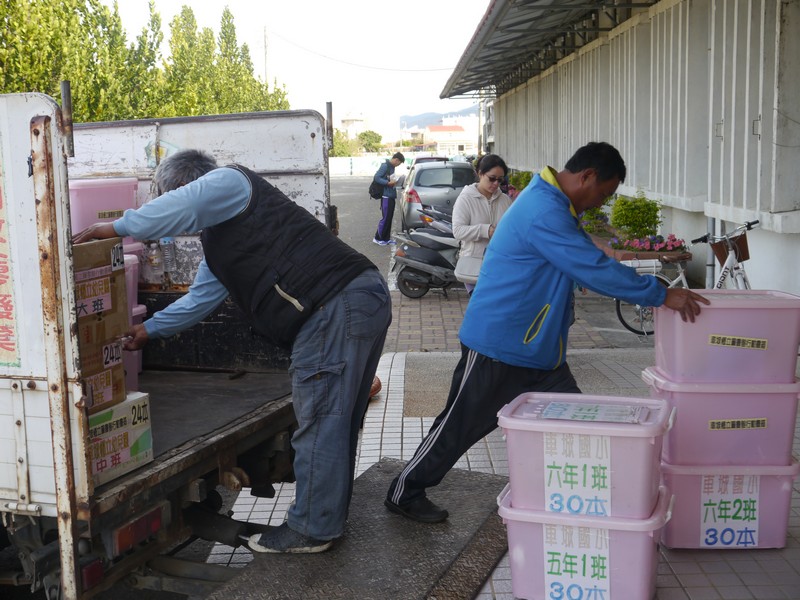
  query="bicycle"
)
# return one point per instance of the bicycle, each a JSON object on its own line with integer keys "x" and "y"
{"x": 730, "y": 249}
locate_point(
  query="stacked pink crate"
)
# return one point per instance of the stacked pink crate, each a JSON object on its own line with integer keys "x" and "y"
{"x": 132, "y": 361}
{"x": 584, "y": 507}
{"x": 730, "y": 376}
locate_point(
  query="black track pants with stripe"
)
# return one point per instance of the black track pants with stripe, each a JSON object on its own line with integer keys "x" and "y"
{"x": 481, "y": 386}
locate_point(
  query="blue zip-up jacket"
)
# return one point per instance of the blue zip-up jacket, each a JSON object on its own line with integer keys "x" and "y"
{"x": 521, "y": 309}
{"x": 385, "y": 171}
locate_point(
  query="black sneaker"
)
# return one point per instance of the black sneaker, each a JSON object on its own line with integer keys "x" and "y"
{"x": 283, "y": 539}
{"x": 421, "y": 509}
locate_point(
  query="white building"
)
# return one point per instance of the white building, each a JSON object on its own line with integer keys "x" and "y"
{"x": 451, "y": 140}
{"x": 701, "y": 97}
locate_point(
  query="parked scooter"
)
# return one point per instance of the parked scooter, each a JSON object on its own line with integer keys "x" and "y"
{"x": 426, "y": 257}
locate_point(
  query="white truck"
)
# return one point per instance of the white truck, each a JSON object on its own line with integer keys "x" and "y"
{"x": 212, "y": 425}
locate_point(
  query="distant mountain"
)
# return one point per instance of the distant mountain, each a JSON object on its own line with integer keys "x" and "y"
{"x": 432, "y": 118}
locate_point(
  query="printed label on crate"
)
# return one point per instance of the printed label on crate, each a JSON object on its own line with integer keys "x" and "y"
{"x": 577, "y": 474}
{"x": 577, "y": 563}
{"x": 110, "y": 214}
{"x": 729, "y": 511}
{"x": 112, "y": 354}
{"x": 600, "y": 413}
{"x": 730, "y": 341}
{"x": 100, "y": 387}
{"x": 737, "y": 424}
{"x": 93, "y": 295}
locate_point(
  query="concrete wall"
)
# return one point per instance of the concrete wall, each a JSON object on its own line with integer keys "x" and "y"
{"x": 702, "y": 98}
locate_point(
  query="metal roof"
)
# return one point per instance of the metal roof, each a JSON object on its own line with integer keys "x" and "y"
{"x": 518, "y": 39}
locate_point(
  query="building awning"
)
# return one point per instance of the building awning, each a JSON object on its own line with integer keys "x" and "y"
{"x": 518, "y": 39}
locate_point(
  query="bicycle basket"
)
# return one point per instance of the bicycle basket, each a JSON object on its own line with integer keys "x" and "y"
{"x": 739, "y": 244}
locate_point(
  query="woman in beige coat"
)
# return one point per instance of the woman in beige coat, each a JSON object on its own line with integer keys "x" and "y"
{"x": 478, "y": 210}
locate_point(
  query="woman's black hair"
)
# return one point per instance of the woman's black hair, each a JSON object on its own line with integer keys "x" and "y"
{"x": 489, "y": 162}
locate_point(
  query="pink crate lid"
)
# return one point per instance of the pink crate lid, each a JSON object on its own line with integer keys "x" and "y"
{"x": 756, "y": 299}
{"x": 85, "y": 184}
{"x": 792, "y": 470}
{"x": 661, "y": 515}
{"x": 534, "y": 411}
{"x": 135, "y": 248}
{"x": 139, "y": 310}
{"x": 653, "y": 377}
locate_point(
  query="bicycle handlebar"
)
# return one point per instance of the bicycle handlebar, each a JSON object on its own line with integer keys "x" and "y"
{"x": 747, "y": 226}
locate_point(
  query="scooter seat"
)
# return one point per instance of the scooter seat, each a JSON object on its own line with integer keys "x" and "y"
{"x": 427, "y": 241}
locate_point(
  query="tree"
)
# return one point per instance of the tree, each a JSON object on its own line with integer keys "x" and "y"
{"x": 144, "y": 79}
{"x": 370, "y": 140}
{"x": 47, "y": 41}
{"x": 343, "y": 145}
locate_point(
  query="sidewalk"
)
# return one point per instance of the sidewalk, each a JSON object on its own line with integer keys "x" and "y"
{"x": 606, "y": 360}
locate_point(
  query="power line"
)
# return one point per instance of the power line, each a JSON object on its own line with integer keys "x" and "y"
{"x": 360, "y": 66}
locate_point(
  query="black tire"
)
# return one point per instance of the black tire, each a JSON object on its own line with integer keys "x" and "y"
{"x": 638, "y": 319}
{"x": 411, "y": 289}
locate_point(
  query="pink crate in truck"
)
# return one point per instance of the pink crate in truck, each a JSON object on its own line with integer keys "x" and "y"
{"x": 729, "y": 507}
{"x": 588, "y": 455}
{"x": 559, "y": 556}
{"x": 743, "y": 336}
{"x": 132, "y": 360}
{"x": 727, "y": 423}
{"x": 100, "y": 200}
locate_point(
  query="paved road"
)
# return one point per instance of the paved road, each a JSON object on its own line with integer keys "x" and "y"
{"x": 358, "y": 218}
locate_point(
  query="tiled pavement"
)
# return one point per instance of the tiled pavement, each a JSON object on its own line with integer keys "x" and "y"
{"x": 431, "y": 324}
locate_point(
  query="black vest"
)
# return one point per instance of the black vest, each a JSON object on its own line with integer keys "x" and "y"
{"x": 278, "y": 262}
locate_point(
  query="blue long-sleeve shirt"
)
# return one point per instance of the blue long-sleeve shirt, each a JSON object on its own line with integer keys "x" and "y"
{"x": 520, "y": 311}
{"x": 214, "y": 198}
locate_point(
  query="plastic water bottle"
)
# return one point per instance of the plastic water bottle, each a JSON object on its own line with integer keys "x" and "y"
{"x": 168, "y": 250}
{"x": 154, "y": 264}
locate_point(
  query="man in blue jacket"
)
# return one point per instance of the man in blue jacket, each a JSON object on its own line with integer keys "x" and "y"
{"x": 514, "y": 332}
{"x": 383, "y": 235}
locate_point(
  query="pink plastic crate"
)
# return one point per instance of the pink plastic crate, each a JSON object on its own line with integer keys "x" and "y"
{"x": 743, "y": 336}
{"x": 727, "y": 424}
{"x": 100, "y": 200}
{"x": 557, "y": 556}
{"x": 584, "y": 467}
{"x": 132, "y": 361}
{"x": 729, "y": 507}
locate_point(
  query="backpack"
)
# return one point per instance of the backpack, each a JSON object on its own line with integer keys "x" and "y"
{"x": 375, "y": 190}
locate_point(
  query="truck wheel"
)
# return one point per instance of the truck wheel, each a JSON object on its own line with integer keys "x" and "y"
{"x": 412, "y": 289}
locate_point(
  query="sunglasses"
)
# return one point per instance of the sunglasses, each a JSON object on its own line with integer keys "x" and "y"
{"x": 494, "y": 179}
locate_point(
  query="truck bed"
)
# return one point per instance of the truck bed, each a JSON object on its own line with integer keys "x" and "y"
{"x": 199, "y": 421}
{"x": 185, "y": 405}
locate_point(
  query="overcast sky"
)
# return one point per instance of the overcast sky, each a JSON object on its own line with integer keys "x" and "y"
{"x": 343, "y": 51}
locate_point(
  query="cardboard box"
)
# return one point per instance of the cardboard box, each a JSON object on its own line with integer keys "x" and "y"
{"x": 102, "y": 310}
{"x": 120, "y": 438}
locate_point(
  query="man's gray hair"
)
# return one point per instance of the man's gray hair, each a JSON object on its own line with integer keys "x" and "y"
{"x": 181, "y": 168}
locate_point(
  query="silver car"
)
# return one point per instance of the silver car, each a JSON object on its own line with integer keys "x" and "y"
{"x": 434, "y": 184}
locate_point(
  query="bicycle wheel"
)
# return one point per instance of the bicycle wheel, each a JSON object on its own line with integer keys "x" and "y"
{"x": 636, "y": 318}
